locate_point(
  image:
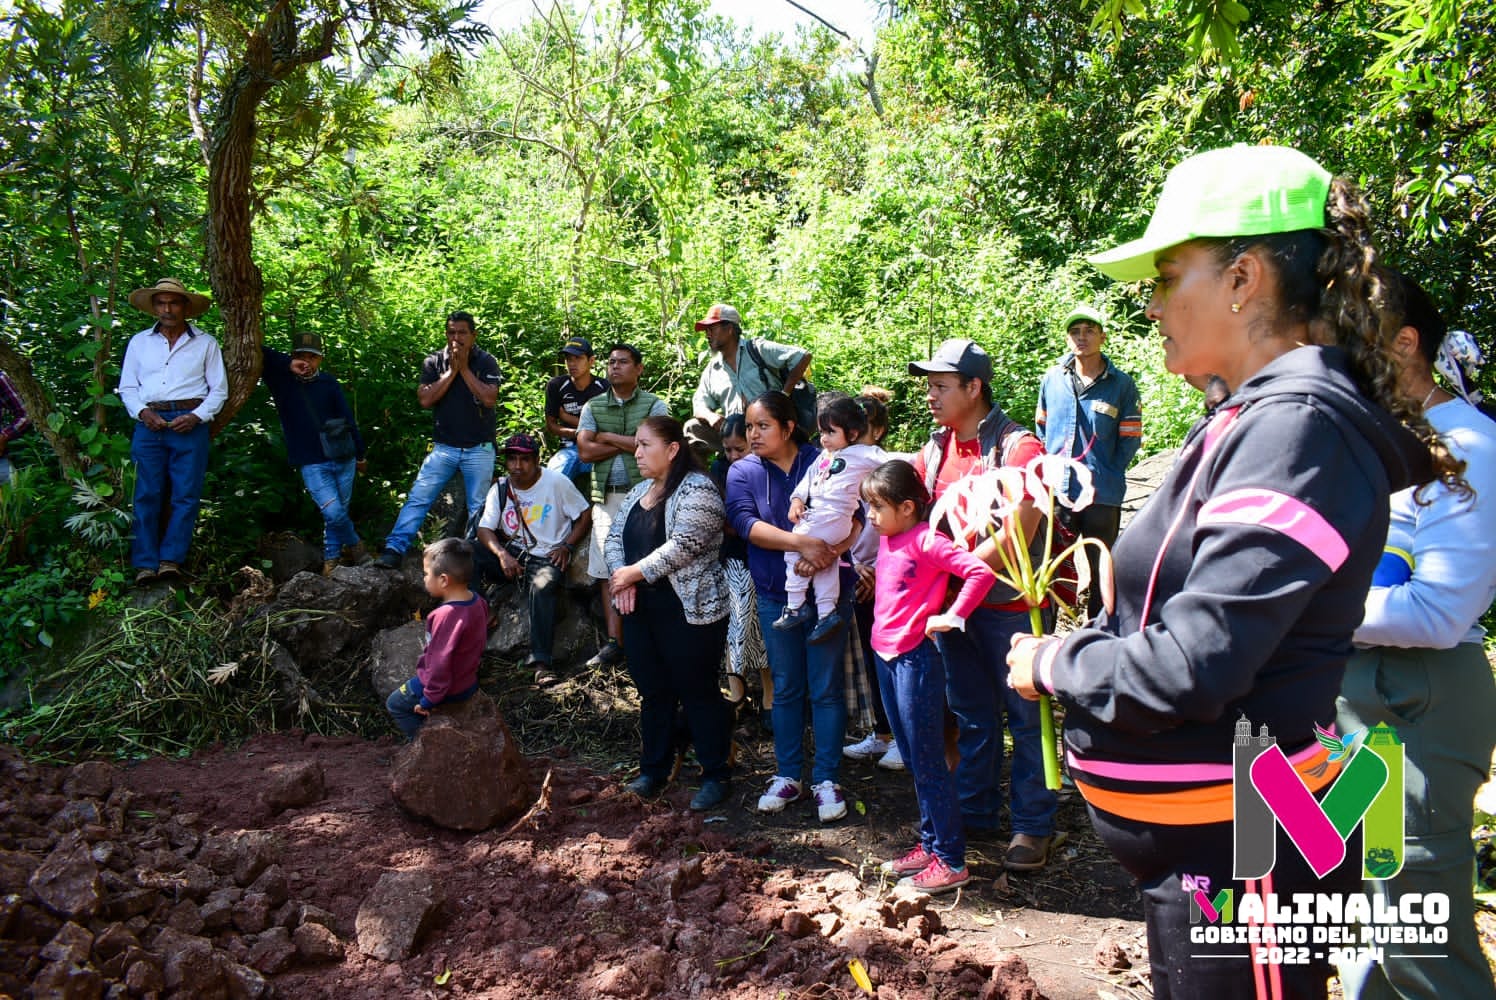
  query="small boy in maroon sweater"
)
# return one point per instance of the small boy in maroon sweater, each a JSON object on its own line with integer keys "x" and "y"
{"x": 455, "y": 636}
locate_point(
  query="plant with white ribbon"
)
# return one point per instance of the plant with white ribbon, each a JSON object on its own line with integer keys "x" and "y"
{"x": 985, "y": 503}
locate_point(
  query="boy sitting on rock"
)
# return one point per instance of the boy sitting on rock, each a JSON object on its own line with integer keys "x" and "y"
{"x": 456, "y": 631}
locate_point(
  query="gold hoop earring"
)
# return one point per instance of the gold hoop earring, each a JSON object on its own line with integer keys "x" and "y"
{"x": 1236, "y": 307}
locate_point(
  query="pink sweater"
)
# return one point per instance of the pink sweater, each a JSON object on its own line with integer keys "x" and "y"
{"x": 911, "y": 584}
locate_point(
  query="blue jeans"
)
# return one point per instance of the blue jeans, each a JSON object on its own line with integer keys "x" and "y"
{"x": 913, "y": 687}
{"x": 402, "y": 703}
{"x": 163, "y": 458}
{"x": 568, "y": 462}
{"x": 476, "y": 464}
{"x": 976, "y": 688}
{"x": 802, "y": 671}
{"x": 331, "y": 487}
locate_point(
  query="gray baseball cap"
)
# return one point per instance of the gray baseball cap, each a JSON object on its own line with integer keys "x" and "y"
{"x": 963, "y": 357}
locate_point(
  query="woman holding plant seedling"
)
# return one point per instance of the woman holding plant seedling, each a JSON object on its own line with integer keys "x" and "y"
{"x": 1240, "y": 583}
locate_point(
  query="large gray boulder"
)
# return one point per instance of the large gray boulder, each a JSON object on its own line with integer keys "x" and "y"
{"x": 393, "y": 655}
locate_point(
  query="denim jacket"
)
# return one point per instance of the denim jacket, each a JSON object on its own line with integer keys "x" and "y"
{"x": 1101, "y": 424}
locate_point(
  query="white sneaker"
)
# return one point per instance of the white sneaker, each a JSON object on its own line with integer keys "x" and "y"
{"x": 869, "y": 748}
{"x": 830, "y": 805}
{"x": 892, "y": 760}
{"x": 782, "y": 791}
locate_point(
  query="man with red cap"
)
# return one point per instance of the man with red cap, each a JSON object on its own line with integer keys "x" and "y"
{"x": 739, "y": 372}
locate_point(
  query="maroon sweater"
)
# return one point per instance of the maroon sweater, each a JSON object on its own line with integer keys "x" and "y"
{"x": 456, "y": 633}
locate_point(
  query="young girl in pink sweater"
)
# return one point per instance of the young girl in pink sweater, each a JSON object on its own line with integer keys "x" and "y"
{"x": 914, "y": 561}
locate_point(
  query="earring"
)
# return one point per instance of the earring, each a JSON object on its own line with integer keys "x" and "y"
{"x": 1236, "y": 307}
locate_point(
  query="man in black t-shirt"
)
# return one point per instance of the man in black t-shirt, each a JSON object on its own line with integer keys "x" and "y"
{"x": 460, "y": 384}
{"x": 565, "y": 395}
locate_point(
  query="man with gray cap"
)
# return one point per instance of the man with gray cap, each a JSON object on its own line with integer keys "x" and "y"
{"x": 322, "y": 440}
{"x": 738, "y": 373}
{"x": 173, "y": 384}
{"x": 1088, "y": 410}
{"x": 974, "y": 436}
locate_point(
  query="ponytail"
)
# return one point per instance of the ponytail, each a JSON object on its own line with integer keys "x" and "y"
{"x": 1329, "y": 279}
{"x": 1362, "y": 310}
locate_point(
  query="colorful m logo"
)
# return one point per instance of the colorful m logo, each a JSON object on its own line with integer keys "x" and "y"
{"x": 1368, "y": 792}
{"x": 1221, "y": 909}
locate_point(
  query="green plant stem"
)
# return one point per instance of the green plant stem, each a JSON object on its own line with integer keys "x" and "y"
{"x": 1046, "y": 719}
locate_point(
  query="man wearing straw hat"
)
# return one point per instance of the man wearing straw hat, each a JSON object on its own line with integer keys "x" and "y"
{"x": 173, "y": 384}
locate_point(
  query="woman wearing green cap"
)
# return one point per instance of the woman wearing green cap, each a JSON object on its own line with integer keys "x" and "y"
{"x": 1240, "y": 583}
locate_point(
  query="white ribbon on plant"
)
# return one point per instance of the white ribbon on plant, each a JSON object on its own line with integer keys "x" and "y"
{"x": 984, "y": 503}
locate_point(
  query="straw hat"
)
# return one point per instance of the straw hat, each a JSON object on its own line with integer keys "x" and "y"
{"x": 196, "y": 304}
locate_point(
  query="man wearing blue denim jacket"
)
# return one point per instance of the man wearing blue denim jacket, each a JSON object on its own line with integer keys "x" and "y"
{"x": 461, "y": 386}
{"x": 1088, "y": 409}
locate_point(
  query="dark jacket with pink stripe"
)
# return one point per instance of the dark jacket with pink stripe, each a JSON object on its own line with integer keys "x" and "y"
{"x": 1252, "y": 563}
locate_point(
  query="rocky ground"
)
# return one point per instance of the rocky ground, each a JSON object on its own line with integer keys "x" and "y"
{"x": 284, "y": 867}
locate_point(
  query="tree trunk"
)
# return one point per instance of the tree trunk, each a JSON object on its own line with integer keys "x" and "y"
{"x": 238, "y": 286}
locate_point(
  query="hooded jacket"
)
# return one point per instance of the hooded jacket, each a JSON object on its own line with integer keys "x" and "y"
{"x": 1241, "y": 581}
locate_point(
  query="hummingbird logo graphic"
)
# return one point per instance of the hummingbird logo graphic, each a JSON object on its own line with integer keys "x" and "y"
{"x": 1340, "y": 747}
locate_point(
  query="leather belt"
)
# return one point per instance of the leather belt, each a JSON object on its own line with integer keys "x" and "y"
{"x": 176, "y": 404}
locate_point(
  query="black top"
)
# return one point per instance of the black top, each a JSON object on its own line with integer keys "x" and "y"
{"x": 561, "y": 393}
{"x": 303, "y": 406}
{"x": 644, "y": 532}
{"x": 734, "y": 546}
{"x": 460, "y": 421}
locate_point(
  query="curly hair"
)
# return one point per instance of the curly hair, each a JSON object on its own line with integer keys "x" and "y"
{"x": 1330, "y": 279}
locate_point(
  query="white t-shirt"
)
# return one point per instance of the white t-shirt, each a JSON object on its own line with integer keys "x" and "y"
{"x": 551, "y": 507}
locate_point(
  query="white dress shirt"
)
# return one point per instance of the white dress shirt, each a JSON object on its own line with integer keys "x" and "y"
{"x": 154, "y": 372}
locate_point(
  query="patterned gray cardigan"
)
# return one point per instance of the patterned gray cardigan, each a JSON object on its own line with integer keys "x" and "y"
{"x": 694, "y": 516}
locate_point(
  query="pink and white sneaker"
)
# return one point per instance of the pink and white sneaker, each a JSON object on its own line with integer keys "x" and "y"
{"x": 916, "y": 861}
{"x": 937, "y": 877}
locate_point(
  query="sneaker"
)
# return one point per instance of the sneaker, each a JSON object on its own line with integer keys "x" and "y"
{"x": 937, "y": 877}
{"x": 144, "y": 576}
{"x": 830, "y": 805}
{"x": 328, "y": 565}
{"x": 892, "y": 760}
{"x": 792, "y": 618}
{"x": 712, "y": 794}
{"x": 782, "y": 791}
{"x": 868, "y": 748}
{"x": 168, "y": 569}
{"x": 390, "y": 559}
{"x": 916, "y": 861}
{"x": 609, "y": 655}
{"x": 826, "y": 628}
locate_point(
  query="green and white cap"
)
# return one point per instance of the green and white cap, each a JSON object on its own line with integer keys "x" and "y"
{"x": 1236, "y": 191}
{"x": 1083, "y": 312}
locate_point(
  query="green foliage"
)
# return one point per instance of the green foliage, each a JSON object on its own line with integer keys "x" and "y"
{"x": 34, "y": 603}
{"x": 614, "y": 173}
